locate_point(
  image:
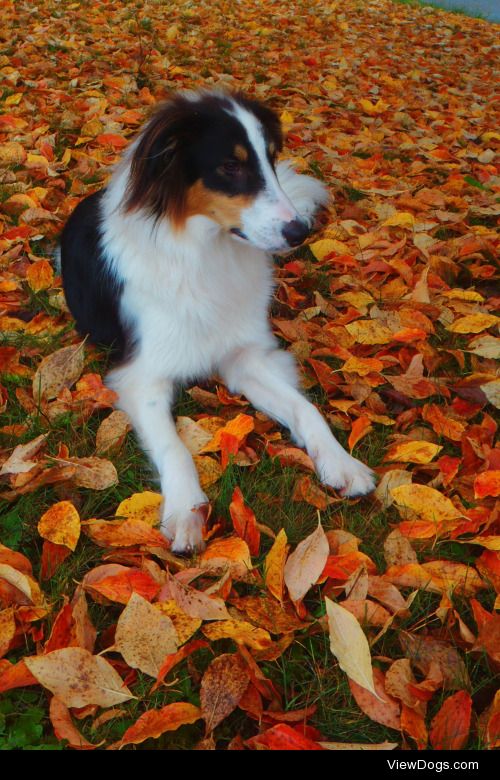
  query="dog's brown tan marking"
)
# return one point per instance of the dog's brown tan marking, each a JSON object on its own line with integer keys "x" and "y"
{"x": 223, "y": 209}
{"x": 240, "y": 153}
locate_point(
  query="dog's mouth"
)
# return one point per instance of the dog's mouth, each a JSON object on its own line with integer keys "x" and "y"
{"x": 237, "y": 232}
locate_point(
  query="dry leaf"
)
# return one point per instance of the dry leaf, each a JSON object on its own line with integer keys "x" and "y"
{"x": 144, "y": 636}
{"x": 78, "y": 678}
{"x": 305, "y": 565}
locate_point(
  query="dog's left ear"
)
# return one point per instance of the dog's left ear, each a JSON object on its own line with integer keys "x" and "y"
{"x": 157, "y": 181}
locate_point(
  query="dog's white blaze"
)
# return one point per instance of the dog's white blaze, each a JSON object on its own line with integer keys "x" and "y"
{"x": 284, "y": 207}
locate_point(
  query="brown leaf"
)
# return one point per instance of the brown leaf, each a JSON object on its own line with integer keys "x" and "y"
{"x": 222, "y": 687}
{"x": 112, "y": 432}
{"x": 58, "y": 370}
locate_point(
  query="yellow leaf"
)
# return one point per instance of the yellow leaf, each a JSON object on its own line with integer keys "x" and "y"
{"x": 143, "y": 506}
{"x": 144, "y": 636}
{"x": 373, "y": 108}
{"x": 413, "y": 452}
{"x": 400, "y": 219}
{"x": 369, "y": 332}
{"x": 492, "y": 392}
{"x": 474, "y": 323}
{"x": 424, "y": 502}
{"x": 358, "y": 299}
{"x": 327, "y": 246}
{"x": 184, "y": 624}
{"x": 362, "y": 366}
{"x": 13, "y": 100}
{"x": 209, "y": 470}
{"x": 349, "y": 645}
{"x": 239, "y": 631}
{"x": 464, "y": 295}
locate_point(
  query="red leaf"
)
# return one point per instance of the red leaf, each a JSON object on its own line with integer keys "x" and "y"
{"x": 450, "y": 727}
{"x": 282, "y": 737}
{"x": 244, "y": 522}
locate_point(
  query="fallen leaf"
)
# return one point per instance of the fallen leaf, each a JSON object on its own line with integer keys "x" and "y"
{"x": 349, "y": 645}
{"x": 58, "y": 370}
{"x": 274, "y": 566}
{"x": 61, "y": 525}
{"x": 305, "y": 565}
{"x": 222, "y": 687}
{"x": 64, "y": 728}
{"x": 79, "y": 678}
{"x": 153, "y": 723}
{"x": 450, "y": 727}
{"x": 144, "y": 636}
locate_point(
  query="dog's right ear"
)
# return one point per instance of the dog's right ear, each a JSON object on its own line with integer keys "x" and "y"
{"x": 157, "y": 181}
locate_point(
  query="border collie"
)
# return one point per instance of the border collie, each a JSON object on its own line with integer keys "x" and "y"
{"x": 171, "y": 265}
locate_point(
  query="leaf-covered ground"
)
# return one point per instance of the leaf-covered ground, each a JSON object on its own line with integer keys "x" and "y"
{"x": 390, "y": 312}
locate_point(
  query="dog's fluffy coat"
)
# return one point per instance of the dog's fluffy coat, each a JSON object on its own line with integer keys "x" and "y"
{"x": 171, "y": 265}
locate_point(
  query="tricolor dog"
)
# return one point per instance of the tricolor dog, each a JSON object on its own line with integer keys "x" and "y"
{"x": 171, "y": 265}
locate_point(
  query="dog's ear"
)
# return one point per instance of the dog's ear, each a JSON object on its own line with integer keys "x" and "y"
{"x": 157, "y": 180}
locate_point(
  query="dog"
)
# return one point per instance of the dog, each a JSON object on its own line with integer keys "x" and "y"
{"x": 171, "y": 266}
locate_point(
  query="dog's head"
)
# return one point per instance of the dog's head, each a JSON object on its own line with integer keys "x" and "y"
{"x": 214, "y": 155}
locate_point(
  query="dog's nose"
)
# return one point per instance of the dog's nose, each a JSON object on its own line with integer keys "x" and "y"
{"x": 295, "y": 232}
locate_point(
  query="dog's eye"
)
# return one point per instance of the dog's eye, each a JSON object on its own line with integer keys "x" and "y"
{"x": 231, "y": 167}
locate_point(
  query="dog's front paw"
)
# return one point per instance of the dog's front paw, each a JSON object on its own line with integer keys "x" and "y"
{"x": 346, "y": 474}
{"x": 184, "y": 528}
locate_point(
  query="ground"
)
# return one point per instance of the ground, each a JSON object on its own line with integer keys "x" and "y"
{"x": 390, "y": 312}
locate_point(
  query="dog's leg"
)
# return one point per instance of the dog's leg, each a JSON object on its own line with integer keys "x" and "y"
{"x": 269, "y": 381}
{"x": 147, "y": 401}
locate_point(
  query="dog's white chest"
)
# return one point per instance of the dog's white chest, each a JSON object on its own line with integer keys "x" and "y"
{"x": 190, "y": 312}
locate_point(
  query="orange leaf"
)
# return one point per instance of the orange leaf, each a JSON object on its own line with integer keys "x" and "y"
{"x": 360, "y": 428}
{"x": 119, "y": 585}
{"x": 61, "y": 525}
{"x": 413, "y": 724}
{"x": 244, "y": 522}
{"x": 310, "y": 492}
{"x": 64, "y": 727}
{"x": 40, "y": 275}
{"x": 450, "y": 727}
{"x": 15, "y": 676}
{"x": 111, "y": 139}
{"x": 154, "y": 723}
{"x": 487, "y": 484}
{"x": 173, "y": 659}
{"x": 231, "y": 554}
{"x": 126, "y": 533}
{"x": 239, "y": 427}
{"x": 275, "y": 565}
